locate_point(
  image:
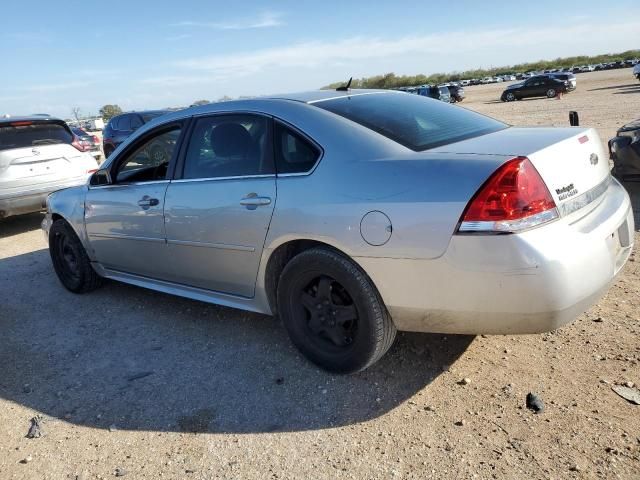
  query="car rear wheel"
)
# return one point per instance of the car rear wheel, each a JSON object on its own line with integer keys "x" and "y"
{"x": 510, "y": 97}
{"x": 70, "y": 261}
{"x": 551, "y": 93}
{"x": 333, "y": 312}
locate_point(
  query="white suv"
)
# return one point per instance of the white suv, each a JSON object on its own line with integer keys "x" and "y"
{"x": 38, "y": 155}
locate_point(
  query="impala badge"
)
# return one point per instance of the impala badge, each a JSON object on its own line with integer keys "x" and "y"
{"x": 35, "y": 151}
{"x": 593, "y": 159}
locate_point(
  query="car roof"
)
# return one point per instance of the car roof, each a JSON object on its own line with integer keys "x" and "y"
{"x": 143, "y": 111}
{"x": 31, "y": 118}
{"x": 320, "y": 95}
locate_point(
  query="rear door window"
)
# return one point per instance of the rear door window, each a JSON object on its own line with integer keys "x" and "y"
{"x": 29, "y": 134}
{"x": 136, "y": 122}
{"x": 294, "y": 153}
{"x": 124, "y": 123}
{"x": 416, "y": 122}
{"x": 147, "y": 117}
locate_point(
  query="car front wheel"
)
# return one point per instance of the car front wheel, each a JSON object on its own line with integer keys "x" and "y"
{"x": 510, "y": 97}
{"x": 70, "y": 261}
{"x": 333, "y": 312}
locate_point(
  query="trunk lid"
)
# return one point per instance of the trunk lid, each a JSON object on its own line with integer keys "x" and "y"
{"x": 571, "y": 161}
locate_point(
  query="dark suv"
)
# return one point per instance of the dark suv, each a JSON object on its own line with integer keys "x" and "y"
{"x": 568, "y": 78}
{"x": 438, "y": 93}
{"x": 457, "y": 93}
{"x": 121, "y": 126}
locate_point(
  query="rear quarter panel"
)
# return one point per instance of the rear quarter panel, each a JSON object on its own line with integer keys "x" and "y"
{"x": 361, "y": 171}
{"x": 423, "y": 196}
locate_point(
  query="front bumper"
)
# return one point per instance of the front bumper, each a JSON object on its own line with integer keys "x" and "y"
{"x": 530, "y": 282}
{"x": 31, "y": 200}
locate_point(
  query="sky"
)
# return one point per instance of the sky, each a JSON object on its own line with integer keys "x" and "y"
{"x": 143, "y": 54}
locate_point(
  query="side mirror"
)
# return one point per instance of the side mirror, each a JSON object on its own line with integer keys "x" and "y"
{"x": 101, "y": 177}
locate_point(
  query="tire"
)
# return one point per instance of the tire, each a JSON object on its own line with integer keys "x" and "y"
{"x": 333, "y": 312}
{"x": 70, "y": 261}
{"x": 551, "y": 93}
{"x": 510, "y": 97}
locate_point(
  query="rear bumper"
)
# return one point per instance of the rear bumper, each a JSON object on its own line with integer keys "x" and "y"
{"x": 531, "y": 282}
{"x": 32, "y": 199}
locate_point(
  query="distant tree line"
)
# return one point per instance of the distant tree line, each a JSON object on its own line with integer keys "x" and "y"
{"x": 391, "y": 80}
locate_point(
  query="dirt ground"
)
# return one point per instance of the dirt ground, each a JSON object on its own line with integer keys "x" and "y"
{"x": 136, "y": 383}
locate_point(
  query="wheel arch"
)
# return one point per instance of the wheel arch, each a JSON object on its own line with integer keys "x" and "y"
{"x": 281, "y": 255}
{"x": 68, "y": 205}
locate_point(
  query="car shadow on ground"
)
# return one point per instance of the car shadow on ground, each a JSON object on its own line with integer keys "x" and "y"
{"x": 139, "y": 360}
{"x": 613, "y": 87}
{"x": 20, "y": 224}
{"x": 628, "y": 91}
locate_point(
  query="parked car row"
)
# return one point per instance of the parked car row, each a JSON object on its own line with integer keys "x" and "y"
{"x": 449, "y": 93}
{"x": 507, "y": 77}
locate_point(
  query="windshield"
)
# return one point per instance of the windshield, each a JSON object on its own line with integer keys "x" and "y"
{"x": 27, "y": 134}
{"x": 414, "y": 121}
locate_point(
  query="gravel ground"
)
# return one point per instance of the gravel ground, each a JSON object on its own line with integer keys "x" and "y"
{"x": 134, "y": 383}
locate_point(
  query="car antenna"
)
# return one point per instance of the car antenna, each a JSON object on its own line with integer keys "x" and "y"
{"x": 345, "y": 88}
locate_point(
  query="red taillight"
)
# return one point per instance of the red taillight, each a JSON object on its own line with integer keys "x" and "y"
{"x": 20, "y": 124}
{"x": 79, "y": 144}
{"x": 513, "y": 199}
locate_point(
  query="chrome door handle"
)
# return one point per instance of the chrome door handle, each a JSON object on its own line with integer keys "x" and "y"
{"x": 148, "y": 202}
{"x": 253, "y": 200}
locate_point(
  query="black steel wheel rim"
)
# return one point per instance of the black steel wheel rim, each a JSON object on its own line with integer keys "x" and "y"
{"x": 328, "y": 313}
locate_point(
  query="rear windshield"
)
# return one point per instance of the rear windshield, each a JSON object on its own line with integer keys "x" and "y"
{"x": 414, "y": 121}
{"x": 147, "y": 117}
{"x": 33, "y": 134}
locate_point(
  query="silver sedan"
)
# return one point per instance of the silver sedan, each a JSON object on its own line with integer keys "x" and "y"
{"x": 350, "y": 215}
